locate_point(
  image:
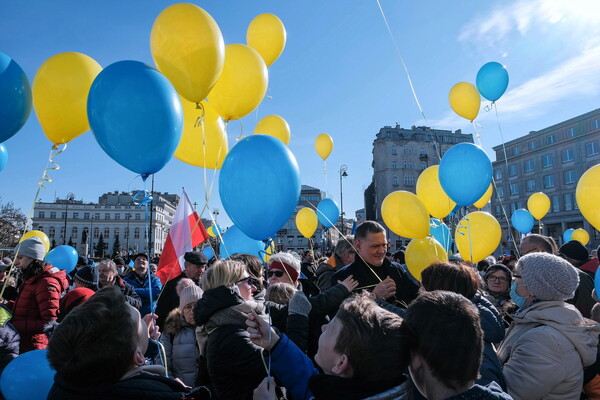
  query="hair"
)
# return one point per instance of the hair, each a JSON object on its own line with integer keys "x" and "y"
{"x": 95, "y": 343}
{"x": 286, "y": 258}
{"x": 546, "y": 243}
{"x": 109, "y": 263}
{"x": 33, "y": 269}
{"x": 344, "y": 245}
{"x": 223, "y": 273}
{"x": 366, "y": 227}
{"x": 280, "y": 293}
{"x": 371, "y": 337}
{"x": 444, "y": 328}
{"x": 253, "y": 265}
{"x": 483, "y": 264}
{"x": 457, "y": 278}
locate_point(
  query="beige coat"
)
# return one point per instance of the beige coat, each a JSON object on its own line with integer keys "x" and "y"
{"x": 545, "y": 350}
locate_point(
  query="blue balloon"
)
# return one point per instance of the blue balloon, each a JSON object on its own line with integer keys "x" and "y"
{"x": 568, "y": 234}
{"x": 328, "y": 212}
{"x": 522, "y": 220}
{"x": 259, "y": 185}
{"x": 441, "y": 233}
{"x": 62, "y": 257}
{"x": 136, "y": 116}
{"x": 465, "y": 173}
{"x": 235, "y": 241}
{"x": 29, "y": 376}
{"x": 208, "y": 252}
{"x": 15, "y": 97}
{"x": 492, "y": 80}
{"x": 3, "y": 156}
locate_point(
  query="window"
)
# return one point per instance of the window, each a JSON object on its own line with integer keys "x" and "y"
{"x": 514, "y": 189}
{"x": 53, "y": 214}
{"x": 568, "y": 201}
{"x": 422, "y": 151}
{"x": 116, "y": 232}
{"x": 567, "y": 155}
{"x": 592, "y": 149}
{"x": 74, "y": 232}
{"x": 64, "y": 215}
{"x": 498, "y": 211}
{"x": 406, "y": 180}
{"x": 136, "y": 233}
{"x": 533, "y": 145}
{"x": 512, "y": 170}
{"x": 570, "y": 132}
{"x": 500, "y": 191}
{"x": 394, "y": 150}
{"x": 516, "y": 151}
{"x": 126, "y": 236}
{"x": 52, "y": 232}
{"x": 498, "y": 174}
{"x": 395, "y": 180}
{"x": 570, "y": 177}
{"x": 550, "y": 139}
{"x": 596, "y": 124}
{"x": 394, "y": 165}
{"x": 555, "y": 204}
{"x": 97, "y": 216}
{"x": 106, "y": 233}
{"x": 117, "y": 216}
{"x": 86, "y": 215}
{"x": 106, "y": 215}
{"x": 423, "y": 165}
{"x": 529, "y": 165}
{"x": 75, "y": 215}
{"x": 137, "y": 216}
{"x": 531, "y": 186}
{"x": 513, "y": 207}
{"x": 40, "y": 228}
{"x": 549, "y": 181}
{"x": 41, "y": 214}
{"x": 96, "y": 233}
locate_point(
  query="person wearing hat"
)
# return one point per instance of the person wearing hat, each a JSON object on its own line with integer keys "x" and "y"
{"x": 81, "y": 262}
{"x": 138, "y": 279}
{"x": 72, "y": 299}
{"x": 179, "y": 337}
{"x": 194, "y": 266}
{"x": 576, "y": 253}
{"x": 497, "y": 279}
{"x": 87, "y": 277}
{"x": 548, "y": 342}
{"x": 578, "y": 256}
{"x": 38, "y": 300}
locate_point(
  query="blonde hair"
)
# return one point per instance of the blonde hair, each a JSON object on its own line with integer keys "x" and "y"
{"x": 280, "y": 293}
{"x": 223, "y": 273}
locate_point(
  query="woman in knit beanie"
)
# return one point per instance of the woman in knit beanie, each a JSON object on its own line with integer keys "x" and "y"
{"x": 548, "y": 342}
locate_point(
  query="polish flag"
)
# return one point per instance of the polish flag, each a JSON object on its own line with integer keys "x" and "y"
{"x": 186, "y": 233}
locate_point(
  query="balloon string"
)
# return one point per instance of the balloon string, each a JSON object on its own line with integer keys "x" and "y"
{"x": 325, "y": 175}
{"x": 241, "y": 131}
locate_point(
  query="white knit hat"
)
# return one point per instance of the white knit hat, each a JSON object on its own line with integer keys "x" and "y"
{"x": 548, "y": 277}
{"x": 190, "y": 294}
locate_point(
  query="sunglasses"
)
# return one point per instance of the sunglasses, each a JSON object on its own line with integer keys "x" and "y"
{"x": 250, "y": 280}
{"x": 278, "y": 273}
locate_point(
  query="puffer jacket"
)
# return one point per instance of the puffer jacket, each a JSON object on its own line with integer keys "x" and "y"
{"x": 36, "y": 305}
{"x": 545, "y": 350}
{"x": 9, "y": 339}
{"x": 179, "y": 339}
{"x": 493, "y": 332}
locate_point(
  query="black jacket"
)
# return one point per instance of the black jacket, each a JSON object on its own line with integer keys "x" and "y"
{"x": 168, "y": 300}
{"x": 406, "y": 289}
{"x": 129, "y": 292}
{"x": 9, "y": 339}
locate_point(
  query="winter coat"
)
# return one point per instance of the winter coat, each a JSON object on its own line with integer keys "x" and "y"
{"x": 493, "y": 332}
{"x": 140, "y": 285}
{"x": 9, "y": 339}
{"x": 168, "y": 300}
{"x": 583, "y": 295}
{"x": 36, "y": 305}
{"x": 233, "y": 362}
{"x": 545, "y": 350}
{"x": 130, "y": 295}
{"x": 406, "y": 287}
{"x": 179, "y": 339}
{"x": 476, "y": 392}
{"x": 326, "y": 270}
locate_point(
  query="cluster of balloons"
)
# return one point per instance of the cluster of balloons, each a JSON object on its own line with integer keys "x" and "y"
{"x": 491, "y": 81}
{"x": 581, "y": 235}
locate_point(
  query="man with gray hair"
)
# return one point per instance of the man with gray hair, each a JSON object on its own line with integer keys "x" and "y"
{"x": 108, "y": 276}
{"x": 343, "y": 254}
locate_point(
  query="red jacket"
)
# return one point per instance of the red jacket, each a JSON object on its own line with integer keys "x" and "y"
{"x": 36, "y": 305}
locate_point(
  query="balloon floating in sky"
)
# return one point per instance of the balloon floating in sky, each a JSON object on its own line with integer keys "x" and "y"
{"x": 275, "y": 126}
{"x": 581, "y": 235}
{"x": 538, "y": 205}
{"x": 522, "y": 220}
{"x": 266, "y": 34}
{"x": 323, "y": 145}
{"x": 405, "y": 214}
{"x": 588, "y": 188}
{"x": 328, "y": 212}
{"x": 432, "y": 195}
{"x": 465, "y": 100}
{"x": 492, "y": 80}
{"x": 568, "y": 235}
{"x": 15, "y": 97}
{"x": 307, "y": 222}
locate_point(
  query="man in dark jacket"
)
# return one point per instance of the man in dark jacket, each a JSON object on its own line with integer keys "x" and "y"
{"x": 374, "y": 272}
{"x": 194, "y": 266}
{"x": 109, "y": 276}
{"x": 343, "y": 254}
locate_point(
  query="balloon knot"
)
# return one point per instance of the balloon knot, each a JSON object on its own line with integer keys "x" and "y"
{"x": 55, "y": 146}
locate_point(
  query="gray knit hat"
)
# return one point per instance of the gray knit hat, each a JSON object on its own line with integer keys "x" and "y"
{"x": 547, "y": 276}
{"x": 32, "y": 248}
{"x": 190, "y": 294}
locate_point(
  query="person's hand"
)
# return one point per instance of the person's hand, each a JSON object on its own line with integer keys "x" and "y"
{"x": 264, "y": 393}
{"x": 153, "y": 331}
{"x": 385, "y": 289}
{"x": 260, "y": 332}
{"x": 181, "y": 382}
{"x": 349, "y": 283}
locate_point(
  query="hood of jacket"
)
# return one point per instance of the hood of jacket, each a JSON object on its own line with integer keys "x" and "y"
{"x": 581, "y": 332}
{"x": 175, "y": 322}
{"x": 222, "y": 306}
{"x": 491, "y": 320}
{"x": 52, "y": 272}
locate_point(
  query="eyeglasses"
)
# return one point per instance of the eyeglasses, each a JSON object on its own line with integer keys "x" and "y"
{"x": 250, "y": 280}
{"x": 497, "y": 278}
{"x": 188, "y": 308}
{"x": 278, "y": 273}
{"x": 515, "y": 276}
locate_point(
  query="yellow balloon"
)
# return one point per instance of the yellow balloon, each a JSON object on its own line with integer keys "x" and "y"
{"x": 477, "y": 235}
{"x": 202, "y": 145}
{"x": 210, "y": 232}
{"x": 39, "y": 234}
{"x": 586, "y": 194}
{"x": 465, "y": 100}
{"x": 430, "y": 191}
{"x": 275, "y": 126}
{"x": 60, "y": 91}
{"x": 266, "y": 34}
{"x": 405, "y": 215}
{"x": 421, "y": 253}
{"x": 307, "y": 221}
{"x": 538, "y": 205}
{"x": 485, "y": 198}
{"x": 581, "y": 235}
{"x": 187, "y": 47}
{"x": 242, "y": 85}
{"x": 323, "y": 145}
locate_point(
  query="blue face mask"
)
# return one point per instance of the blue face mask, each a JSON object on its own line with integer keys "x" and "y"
{"x": 516, "y": 298}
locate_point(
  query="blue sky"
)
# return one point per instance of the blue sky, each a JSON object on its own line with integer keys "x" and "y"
{"x": 339, "y": 74}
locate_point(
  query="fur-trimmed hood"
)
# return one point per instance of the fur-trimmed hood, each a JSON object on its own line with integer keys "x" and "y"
{"x": 175, "y": 322}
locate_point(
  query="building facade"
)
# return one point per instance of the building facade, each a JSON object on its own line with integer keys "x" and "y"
{"x": 399, "y": 157}
{"x": 550, "y": 161}
{"x": 116, "y": 216}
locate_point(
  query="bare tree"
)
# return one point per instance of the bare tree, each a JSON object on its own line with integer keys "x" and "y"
{"x": 12, "y": 224}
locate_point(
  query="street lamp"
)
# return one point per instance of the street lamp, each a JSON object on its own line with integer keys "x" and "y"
{"x": 343, "y": 174}
{"x": 215, "y": 214}
{"x": 91, "y": 237}
{"x": 127, "y": 217}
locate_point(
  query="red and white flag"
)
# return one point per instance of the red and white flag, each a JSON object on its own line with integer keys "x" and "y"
{"x": 186, "y": 233}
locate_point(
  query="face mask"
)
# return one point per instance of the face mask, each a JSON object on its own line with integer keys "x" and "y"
{"x": 516, "y": 298}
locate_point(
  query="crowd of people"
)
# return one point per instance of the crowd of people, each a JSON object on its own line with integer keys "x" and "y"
{"x": 354, "y": 324}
